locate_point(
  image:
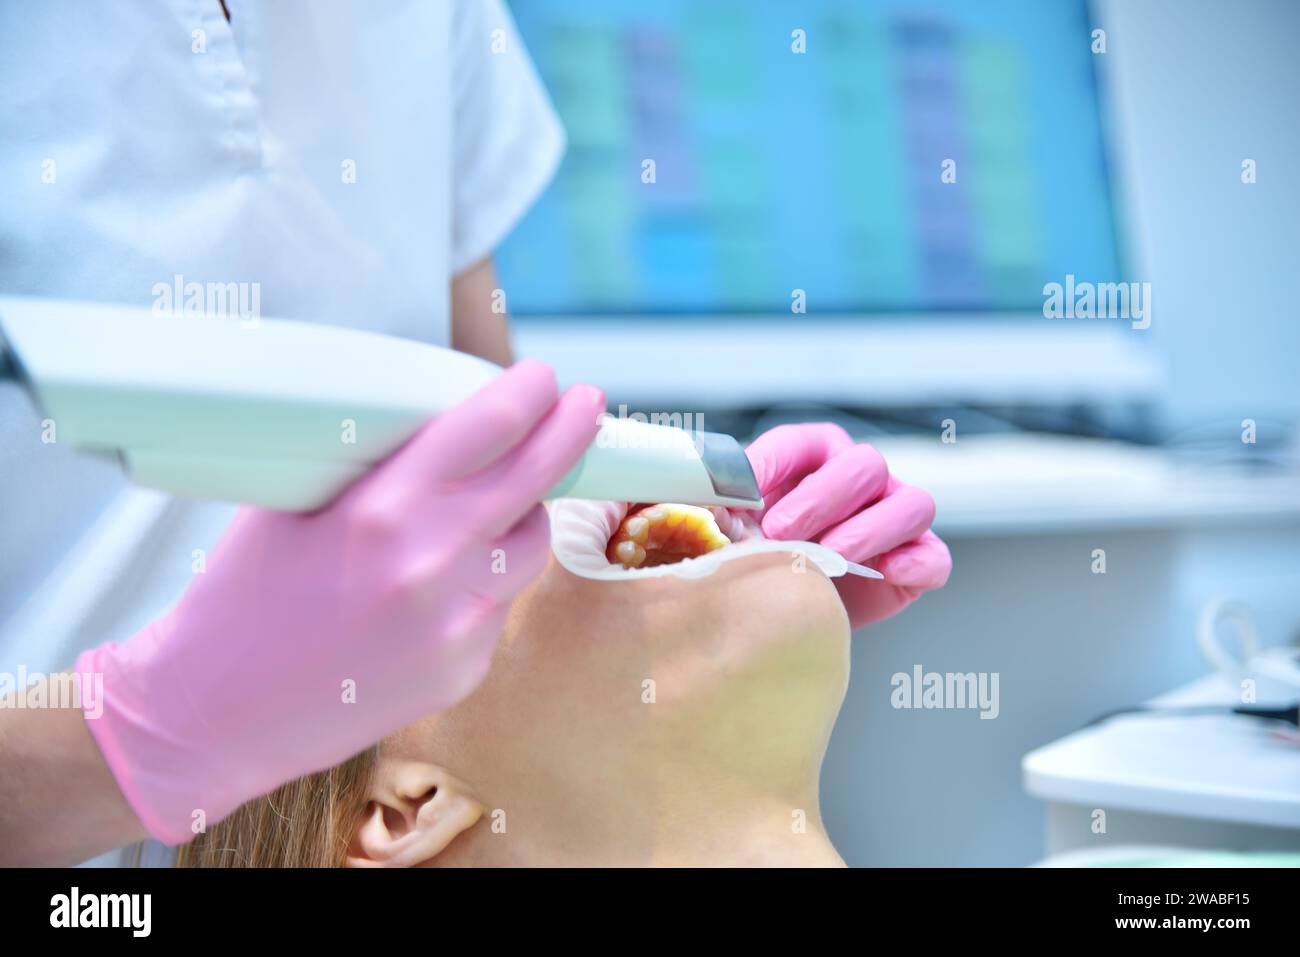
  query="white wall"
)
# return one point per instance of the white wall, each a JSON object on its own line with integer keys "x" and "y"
{"x": 1197, "y": 86}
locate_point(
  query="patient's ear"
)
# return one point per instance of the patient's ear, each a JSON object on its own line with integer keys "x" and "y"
{"x": 416, "y": 809}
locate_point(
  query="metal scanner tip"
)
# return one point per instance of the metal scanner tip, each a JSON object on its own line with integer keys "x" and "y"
{"x": 729, "y": 469}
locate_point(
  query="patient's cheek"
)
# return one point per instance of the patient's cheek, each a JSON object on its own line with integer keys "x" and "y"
{"x": 662, "y": 534}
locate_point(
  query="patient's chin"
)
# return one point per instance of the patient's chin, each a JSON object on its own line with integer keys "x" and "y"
{"x": 777, "y": 604}
{"x": 768, "y": 623}
{"x": 758, "y": 683}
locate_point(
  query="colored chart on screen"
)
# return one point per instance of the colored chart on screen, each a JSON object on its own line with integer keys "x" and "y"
{"x": 931, "y": 155}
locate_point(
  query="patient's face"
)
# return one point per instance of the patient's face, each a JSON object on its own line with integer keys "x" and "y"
{"x": 725, "y": 684}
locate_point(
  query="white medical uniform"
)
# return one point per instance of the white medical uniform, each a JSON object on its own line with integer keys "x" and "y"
{"x": 350, "y": 158}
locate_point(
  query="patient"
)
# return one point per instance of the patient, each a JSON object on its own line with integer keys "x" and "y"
{"x": 661, "y": 722}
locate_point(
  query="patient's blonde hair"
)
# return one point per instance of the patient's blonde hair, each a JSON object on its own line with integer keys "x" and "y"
{"x": 305, "y": 823}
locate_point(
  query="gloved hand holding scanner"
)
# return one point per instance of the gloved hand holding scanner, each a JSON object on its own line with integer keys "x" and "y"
{"x": 311, "y": 636}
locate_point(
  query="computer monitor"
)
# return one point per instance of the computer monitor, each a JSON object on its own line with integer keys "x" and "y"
{"x": 852, "y": 161}
{"x": 918, "y": 156}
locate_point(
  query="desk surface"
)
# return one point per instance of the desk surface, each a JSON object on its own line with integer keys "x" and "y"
{"x": 1030, "y": 484}
{"x": 1225, "y": 768}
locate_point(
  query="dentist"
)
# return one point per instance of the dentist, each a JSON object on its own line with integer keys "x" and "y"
{"x": 354, "y": 166}
{"x": 357, "y": 165}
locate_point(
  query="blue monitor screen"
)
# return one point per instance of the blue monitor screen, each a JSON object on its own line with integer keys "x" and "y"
{"x": 916, "y": 156}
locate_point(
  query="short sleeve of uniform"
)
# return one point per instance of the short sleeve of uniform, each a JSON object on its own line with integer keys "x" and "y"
{"x": 507, "y": 139}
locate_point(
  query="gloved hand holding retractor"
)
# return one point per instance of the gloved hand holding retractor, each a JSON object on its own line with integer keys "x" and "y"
{"x": 819, "y": 485}
{"x": 310, "y": 637}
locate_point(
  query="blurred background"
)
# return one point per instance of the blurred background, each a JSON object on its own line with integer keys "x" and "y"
{"x": 751, "y": 224}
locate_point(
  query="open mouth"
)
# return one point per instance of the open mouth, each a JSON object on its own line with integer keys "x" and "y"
{"x": 662, "y": 534}
{"x": 616, "y": 541}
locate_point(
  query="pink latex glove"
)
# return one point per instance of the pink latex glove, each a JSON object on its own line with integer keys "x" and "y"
{"x": 399, "y": 587}
{"x": 818, "y": 485}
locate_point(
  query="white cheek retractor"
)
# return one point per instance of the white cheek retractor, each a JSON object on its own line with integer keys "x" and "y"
{"x": 580, "y": 531}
